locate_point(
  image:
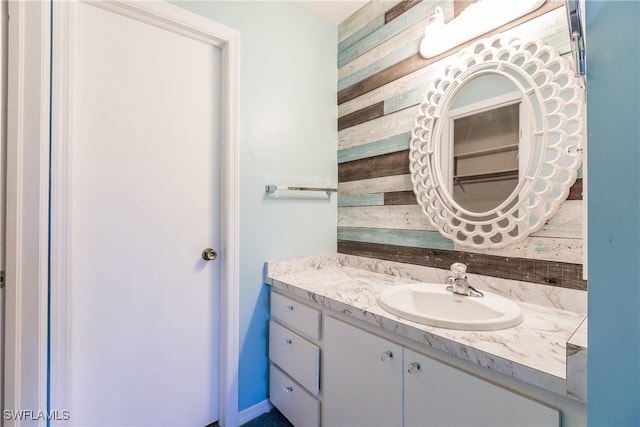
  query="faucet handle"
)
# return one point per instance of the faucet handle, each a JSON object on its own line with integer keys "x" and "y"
{"x": 459, "y": 270}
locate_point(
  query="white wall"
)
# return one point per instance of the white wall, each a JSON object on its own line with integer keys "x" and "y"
{"x": 288, "y": 136}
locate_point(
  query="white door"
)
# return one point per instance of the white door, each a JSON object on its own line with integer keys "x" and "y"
{"x": 144, "y": 205}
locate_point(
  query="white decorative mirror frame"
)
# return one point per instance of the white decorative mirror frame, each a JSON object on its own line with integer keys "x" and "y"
{"x": 554, "y": 103}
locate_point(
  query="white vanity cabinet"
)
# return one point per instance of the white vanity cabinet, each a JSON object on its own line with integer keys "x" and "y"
{"x": 294, "y": 331}
{"x": 369, "y": 381}
{"x": 362, "y": 378}
{"x": 329, "y": 370}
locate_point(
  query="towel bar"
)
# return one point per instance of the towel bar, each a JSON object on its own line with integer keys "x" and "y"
{"x": 270, "y": 188}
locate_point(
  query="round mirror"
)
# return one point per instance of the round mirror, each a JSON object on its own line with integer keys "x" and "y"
{"x": 497, "y": 142}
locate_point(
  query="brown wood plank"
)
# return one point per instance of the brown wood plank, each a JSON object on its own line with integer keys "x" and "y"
{"x": 400, "y": 198}
{"x": 416, "y": 62}
{"x": 564, "y": 275}
{"x": 460, "y": 5}
{"x": 374, "y": 167}
{"x": 381, "y": 78}
{"x": 399, "y": 9}
{"x": 419, "y": 256}
{"x": 364, "y": 115}
{"x": 575, "y": 193}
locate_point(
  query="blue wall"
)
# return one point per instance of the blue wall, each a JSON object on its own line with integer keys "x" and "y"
{"x": 613, "y": 98}
{"x": 288, "y": 135}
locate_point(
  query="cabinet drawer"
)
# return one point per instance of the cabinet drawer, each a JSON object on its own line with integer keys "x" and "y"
{"x": 295, "y": 314}
{"x": 296, "y": 356}
{"x": 293, "y": 401}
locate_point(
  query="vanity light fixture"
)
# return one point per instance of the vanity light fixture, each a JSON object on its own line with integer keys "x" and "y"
{"x": 574, "y": 18}
{"x": 477, "y": 19}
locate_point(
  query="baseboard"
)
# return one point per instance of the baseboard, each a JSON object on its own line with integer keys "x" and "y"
{"x": 254, "y": 411}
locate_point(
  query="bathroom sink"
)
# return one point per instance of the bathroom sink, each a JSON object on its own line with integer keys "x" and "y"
{"x": 431, "y": 304}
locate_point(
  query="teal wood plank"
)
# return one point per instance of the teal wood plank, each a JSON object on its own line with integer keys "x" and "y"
{"x": 405, "y": 100}
{"x": 361, "y": 33}
{"x": 384, "y": 146}
{"x": 394, "y": 57}
{"x": 410, "y": 238}
{"x": 387, "y": 31}
{"x": 350, "y": 200}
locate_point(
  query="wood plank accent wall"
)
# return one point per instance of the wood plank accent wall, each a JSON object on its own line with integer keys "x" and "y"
{"x": 382, "y": 79}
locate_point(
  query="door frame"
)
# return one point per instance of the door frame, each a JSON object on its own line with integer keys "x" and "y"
{"x": 41, "y": 326}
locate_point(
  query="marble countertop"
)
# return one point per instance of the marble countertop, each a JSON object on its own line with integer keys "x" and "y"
{"x": 548, "y": 349}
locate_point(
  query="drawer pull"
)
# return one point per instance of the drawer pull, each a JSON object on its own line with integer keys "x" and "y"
{"x": 287, "y": 341}
{"x": 387, "y": 355}
{"x": 289, "y": 308}
{"x": 288, "y": 389}
{"x": 413, "y": 367}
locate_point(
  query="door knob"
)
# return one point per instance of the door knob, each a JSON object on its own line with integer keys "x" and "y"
{"x": 209, "y": 254}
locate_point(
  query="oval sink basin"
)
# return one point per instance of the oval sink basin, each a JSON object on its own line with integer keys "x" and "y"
{"x": 431, "y": 304}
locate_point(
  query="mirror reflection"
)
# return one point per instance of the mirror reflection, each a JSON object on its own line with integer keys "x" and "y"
{"x": 481, "y": 160}
{"x": 485, "y": 158}
{"x": 482, "y": 143}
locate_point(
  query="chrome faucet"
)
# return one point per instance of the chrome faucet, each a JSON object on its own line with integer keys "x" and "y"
{"x": 458, "y": 282}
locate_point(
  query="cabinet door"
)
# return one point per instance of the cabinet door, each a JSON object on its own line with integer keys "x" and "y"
{"x": 437, "y": 394}
{"x": 362, "y": 378}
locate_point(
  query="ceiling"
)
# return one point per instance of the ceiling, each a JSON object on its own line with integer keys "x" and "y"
{"x": 335, "y": 11}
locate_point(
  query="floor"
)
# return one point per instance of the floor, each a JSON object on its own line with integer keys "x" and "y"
{"x": 271, "y": 419}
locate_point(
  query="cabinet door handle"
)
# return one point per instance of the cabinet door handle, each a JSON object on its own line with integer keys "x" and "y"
{"x": 287, "y": 341}
{"x": 413, "y": 367}
{"x": 288, "y": 389}
{"x": 387, "y": 355}
{"x": 289, "y": 308}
